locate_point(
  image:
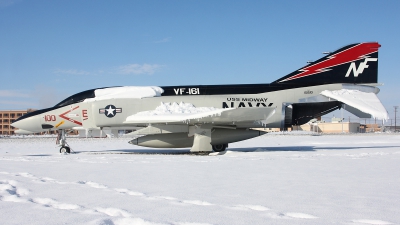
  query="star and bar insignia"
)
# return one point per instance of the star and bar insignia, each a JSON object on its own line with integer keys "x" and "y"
{"x": 110, "y": 111}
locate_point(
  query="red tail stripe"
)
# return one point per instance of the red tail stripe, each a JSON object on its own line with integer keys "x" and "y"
{"x": 352, "y": 54}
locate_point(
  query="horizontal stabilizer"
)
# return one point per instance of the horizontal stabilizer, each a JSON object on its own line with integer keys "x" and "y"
{"x": 363, "y": 101}
{"x": 356, "y": 112}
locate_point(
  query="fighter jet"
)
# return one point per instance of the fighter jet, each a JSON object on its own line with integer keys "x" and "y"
{"x": 208, "y": 117}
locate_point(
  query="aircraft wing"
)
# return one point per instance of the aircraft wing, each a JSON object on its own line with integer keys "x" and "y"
{"x": 216, "y": 116}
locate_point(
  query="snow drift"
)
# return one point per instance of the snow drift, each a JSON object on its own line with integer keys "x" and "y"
{"x": 170, "y": 112}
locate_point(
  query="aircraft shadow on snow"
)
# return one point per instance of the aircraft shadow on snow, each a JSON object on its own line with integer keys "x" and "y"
{"x": 186, "y": 151}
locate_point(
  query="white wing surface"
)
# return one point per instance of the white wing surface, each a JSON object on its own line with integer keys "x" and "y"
{"x": 186, "y": 113}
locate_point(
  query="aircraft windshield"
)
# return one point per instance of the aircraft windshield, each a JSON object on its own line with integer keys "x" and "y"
{"x": 80, "y": 97}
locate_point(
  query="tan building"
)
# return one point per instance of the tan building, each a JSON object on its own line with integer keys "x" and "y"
{"x": 7, "y": 117}
{"x": 334, "y": 127}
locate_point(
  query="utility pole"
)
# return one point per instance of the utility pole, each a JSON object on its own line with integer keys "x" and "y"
{"x": 365, "y": 122}
{"x": 395, "y": 112}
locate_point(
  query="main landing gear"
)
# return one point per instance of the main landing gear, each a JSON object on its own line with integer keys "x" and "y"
{"x": 62, "y": 140}
{"x": 220, "y": 147}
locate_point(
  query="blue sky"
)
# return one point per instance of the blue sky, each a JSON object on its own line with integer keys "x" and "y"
{"x": 52, "y": 49}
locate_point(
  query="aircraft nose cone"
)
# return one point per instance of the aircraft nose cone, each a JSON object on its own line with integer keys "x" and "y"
{"x": 29, "y": 124}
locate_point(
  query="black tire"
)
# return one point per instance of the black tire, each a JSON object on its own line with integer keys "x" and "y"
{"x": 219, "y": 148}
{"x": 65, "y": 150}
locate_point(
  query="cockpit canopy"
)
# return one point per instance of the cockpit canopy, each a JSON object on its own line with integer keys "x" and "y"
{"x": 76, "y": 98}
{"x": 112, "y": 93}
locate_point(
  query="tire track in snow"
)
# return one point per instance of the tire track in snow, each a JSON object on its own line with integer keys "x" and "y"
{"x": 121, "y": 212}
{"x": 300, "y": 215}
{"x": 166, "y": 198}
{"x": 259, "y": 208}
{"x": 113, "y": 212}
{"x": 130, "y": 220}
{"x": 11, "y": 191}
{"x": 273, "y": 215}
{"x": 38, "y": 179}
{"x": 93, "y": 184}
{"x": 119, "y": 190}
{"x": 250, "y": 207}
{"x": 48, "y": 202}
{"x": 128, "y": 192}
{"x": 196, "y": 202}
{"x": 373, "y": 222}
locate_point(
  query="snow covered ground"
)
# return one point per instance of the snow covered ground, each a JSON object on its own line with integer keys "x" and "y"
{"x": 272, "y": 179}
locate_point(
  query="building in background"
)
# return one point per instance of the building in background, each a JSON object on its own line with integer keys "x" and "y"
{"x": 332, "y": 127}
{"x": 7, "y": 117}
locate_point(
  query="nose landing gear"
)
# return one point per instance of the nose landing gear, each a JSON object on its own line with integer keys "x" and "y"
{"x": 62, "y": 140}
{"x": 65, "y": 149}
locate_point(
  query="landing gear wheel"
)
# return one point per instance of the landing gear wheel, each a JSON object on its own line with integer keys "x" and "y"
{"x": 61, "y": 140}
{"x": 65, "y": 150}
{"x": 220, "y": 147}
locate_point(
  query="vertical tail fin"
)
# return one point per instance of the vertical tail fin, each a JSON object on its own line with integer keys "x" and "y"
{"x": 355, "y": 63}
